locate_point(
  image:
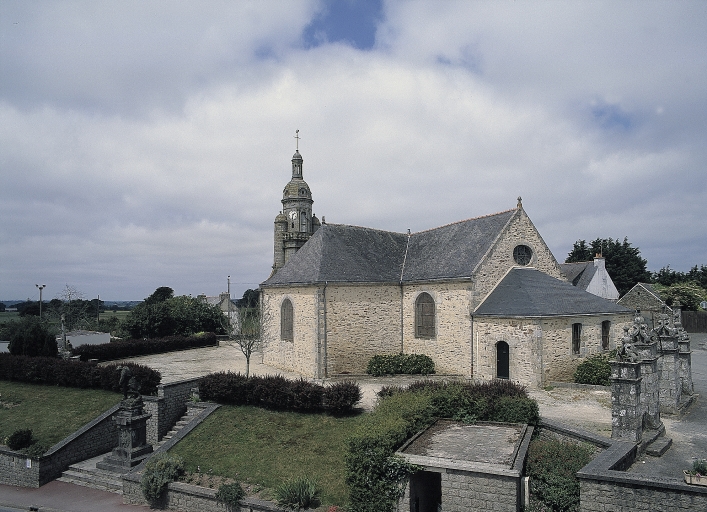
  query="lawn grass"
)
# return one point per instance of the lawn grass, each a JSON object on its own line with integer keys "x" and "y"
{"x": 51, "y": 412}
{"x": 266, "y": 448}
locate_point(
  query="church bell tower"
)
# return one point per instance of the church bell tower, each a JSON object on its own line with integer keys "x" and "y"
{"x": 295, "y": 223}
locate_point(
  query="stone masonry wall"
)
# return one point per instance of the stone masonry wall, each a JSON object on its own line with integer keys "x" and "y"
{"x": 191, "y": 498}
{"x": 96, "y": 437}
{"x": 450, "y": 348}
{"x": 167, "y": 407}
{"x": 540, "y": 350}
{"x": 302, "y": 354}
{"x": 600, "y": 496}
{"x": 519, "y": 231}
{"x": 361, "y": 321}
{"x": 464, "y": 490}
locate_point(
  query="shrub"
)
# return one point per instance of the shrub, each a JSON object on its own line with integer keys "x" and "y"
{"x": 158, "y": 472}
{"x": 412, "y": 364}
{"x": 20, "y": 439}
{"x": 76, "y": 374}
{"x": 230, "y": 494}
{"x": 278, "y": 393}
{"x": 699, "y": 467}
{"x": 551, "y": 466}
{"x": 298, "y": 494}
{"x": 341, "y": 397}
{"x": 30, "y": 337}
{"x": 594, "y": 370}
{"x": 130, "y": 348}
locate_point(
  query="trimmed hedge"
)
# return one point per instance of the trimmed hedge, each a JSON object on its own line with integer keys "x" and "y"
{"x": 74, "y": 374}
{"x": 130, "y": 348}
{"x": 279, "y": 393}
{"x": 375, "y": 476}
{"x": 409, "y": 364}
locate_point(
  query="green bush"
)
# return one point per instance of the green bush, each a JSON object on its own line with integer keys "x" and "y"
{"x": 594, "y": 370}
{"x": 158, "y": 472}
{"x": 411, "y": 364}
{"x": 278, "y": 393}
{"x": 20, "y": 439}
{"x": 551, "y": 466}
{"x": 31, "y": 337}
{"x": 298, "y": 494}
{"x": 74, "y": 374}
{"x": 230, "y": 494}
{"x": 699, "y": 467}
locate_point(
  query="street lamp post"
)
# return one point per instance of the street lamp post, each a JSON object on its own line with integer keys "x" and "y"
{"x": 41, "y": 287}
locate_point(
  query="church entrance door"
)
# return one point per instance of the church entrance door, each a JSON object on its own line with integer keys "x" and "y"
{"x": 502, "y": 366}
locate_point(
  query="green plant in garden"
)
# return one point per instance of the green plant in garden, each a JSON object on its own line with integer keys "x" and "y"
{"x": 594, "y": 370}
{"x": 230, "y": 494}
{"x": 411, "y": 364}
{"x": 158, "y": 472}
{"x": 699, "y": 467}
{"x": 20, "y": 439}
{"x": 551, "y": 466}
{"x": 298, "y": 494}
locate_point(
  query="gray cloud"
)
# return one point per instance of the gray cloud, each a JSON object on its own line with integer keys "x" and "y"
{"x": 147, "y": 147}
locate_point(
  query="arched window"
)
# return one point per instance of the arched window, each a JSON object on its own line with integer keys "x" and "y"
{"x": 576, "y": 338}
{"x": 424, "y": 316}
{"x": 286, "y": 317}
{"x": 502, "y": 360}
{"x": 605, "y": 330}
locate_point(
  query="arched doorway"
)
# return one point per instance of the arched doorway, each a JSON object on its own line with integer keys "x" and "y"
{"x": 502, "y": 366}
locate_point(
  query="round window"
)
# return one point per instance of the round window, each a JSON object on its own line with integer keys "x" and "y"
{"x": 522, "y": 254}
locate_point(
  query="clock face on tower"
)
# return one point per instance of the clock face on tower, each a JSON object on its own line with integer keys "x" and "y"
{"x": 293, "y": 215}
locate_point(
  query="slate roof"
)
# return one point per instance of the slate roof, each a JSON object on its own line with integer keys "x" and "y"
{"x": 338, "y": 253}
{"x": 580, "y": 274}
{"x": 527, "y": 292}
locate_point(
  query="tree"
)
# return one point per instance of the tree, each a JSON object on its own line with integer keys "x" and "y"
{"x": 161, "y": 294}
{"x": 162, "y": 314}
{"x": 248, "y": 339}
{"x": 249, "y": 300}
{"x": 688, "y": 293}
{"x": 623, "y": 262}
{"x": 31, "y": 337}
{"x": 28, "y": 308}
{"x": 70, "y": 302}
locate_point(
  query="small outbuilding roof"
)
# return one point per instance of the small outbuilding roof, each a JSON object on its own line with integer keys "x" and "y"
{"x": 527, "y": 292}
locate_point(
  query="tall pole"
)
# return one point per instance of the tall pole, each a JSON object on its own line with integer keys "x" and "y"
{"x": 230, "y": 327}
{"x": 40, "y": 298}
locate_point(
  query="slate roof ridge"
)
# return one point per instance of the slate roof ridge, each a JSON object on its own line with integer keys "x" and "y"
{"x": 362, "y": 227}
{"x": 463, "y": 221}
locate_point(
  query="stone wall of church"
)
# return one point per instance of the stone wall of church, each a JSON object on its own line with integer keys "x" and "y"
{"x": 301, "y": 354}
{"x": 540, "y": 350}
{"x": 362, "y": 321}
{"x": 520, "y": 231}
{"x": 523, "y": 347}
{"x": 450, "y": 348}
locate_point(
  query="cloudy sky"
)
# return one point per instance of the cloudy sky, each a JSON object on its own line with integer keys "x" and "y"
{"x": 147, "y": 143}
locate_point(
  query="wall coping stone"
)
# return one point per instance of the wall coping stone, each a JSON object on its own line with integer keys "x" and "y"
{"x": 75, "y": 435}
{"x": 575, "y": 385}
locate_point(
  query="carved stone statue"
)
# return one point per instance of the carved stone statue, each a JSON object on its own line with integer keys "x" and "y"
{"x": 626, "y": 352}
{"x": 128, "y": 384}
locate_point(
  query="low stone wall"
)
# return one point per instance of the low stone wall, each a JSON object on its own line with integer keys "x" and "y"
{"x": 167, "y": 407}
{"x": 190, "y": 498}
{"x": 605, "y": 485}
{"x": 96, "y": 437}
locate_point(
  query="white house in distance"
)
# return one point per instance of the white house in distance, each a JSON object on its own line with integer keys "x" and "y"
{"x": 592, "y": 277}
{"x": 78, "y": 338}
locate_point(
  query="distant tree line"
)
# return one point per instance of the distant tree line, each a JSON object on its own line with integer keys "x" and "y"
{"x": 627, "y": 268}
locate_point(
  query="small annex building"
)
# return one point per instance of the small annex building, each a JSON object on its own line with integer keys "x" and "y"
{"x": 483, "y": 297}
{"x": 591, "y": 276}
{"x": 644, "y": 298}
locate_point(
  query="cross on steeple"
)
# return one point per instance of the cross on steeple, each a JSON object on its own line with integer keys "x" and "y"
{"x": 297, "y": 137}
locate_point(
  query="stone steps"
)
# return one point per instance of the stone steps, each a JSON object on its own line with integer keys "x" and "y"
{"x": 181, "y": 423}
{"x": 658, "y": 447}
{"x": 86, "y": 474}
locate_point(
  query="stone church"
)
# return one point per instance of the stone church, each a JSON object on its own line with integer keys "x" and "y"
{"x": 484, "y": 298}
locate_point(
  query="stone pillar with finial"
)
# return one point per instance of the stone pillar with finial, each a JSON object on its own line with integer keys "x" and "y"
{"x": 668, "y": 364}
{"x": 626, "y": 406}
{"x": 684, "y": 352}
